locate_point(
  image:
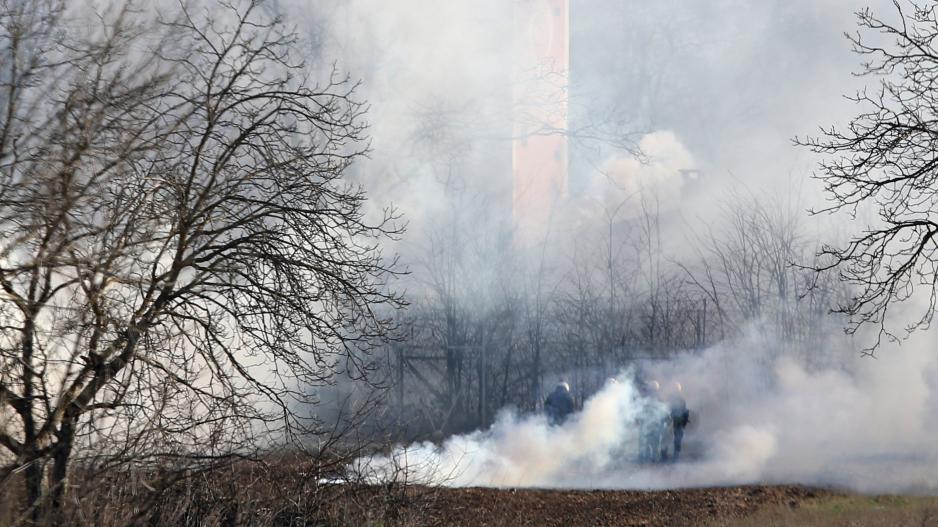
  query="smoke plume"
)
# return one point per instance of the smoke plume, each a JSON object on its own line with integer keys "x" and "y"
{"x": 726, "y": 84}
{"x": 757, "y": 416}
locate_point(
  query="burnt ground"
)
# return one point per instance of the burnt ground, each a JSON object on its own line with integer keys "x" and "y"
{"x": 706, "y": 506}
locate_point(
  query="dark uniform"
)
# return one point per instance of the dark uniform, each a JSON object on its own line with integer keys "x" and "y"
{"x": 680, "y": 416}
{"x": 558, "y": 405}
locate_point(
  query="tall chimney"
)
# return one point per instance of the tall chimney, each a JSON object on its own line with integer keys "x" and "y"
{"x": 539, "y": 150}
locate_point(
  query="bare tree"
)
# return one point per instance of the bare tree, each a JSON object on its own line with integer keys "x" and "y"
{"x": 753, "y": 268}
{"x": 181, "y": 260}
{"x": 884, "y": 162}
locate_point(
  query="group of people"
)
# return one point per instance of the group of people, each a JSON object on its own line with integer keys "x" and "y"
{"x": 664, "y": 415}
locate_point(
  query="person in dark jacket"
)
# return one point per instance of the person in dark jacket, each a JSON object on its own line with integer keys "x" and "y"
{"x": 680, "y": 416}
{"x": 559, "y": 404}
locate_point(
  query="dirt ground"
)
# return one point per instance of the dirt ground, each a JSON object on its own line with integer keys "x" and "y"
{"x": 709, "y": 506}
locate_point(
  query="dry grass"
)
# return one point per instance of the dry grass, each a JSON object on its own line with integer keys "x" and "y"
{"x": 291, "y": 491}
{"x": 282, "y": 492}
{"x": 852, "y": 511}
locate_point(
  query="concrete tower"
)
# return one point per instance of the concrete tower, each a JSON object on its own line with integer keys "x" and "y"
{"x": 539, "y": 150}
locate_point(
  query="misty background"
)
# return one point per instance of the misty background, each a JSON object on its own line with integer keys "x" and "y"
{"x": 733, "y": 81}
{"x": 670, "y": 258}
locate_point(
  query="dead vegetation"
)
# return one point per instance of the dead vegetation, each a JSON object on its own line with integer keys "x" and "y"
{"x": 297, "y": 490}
{"x": 282, "y": 491}
{"x": 291, "y": 492}
{"x": 865, "y": 511}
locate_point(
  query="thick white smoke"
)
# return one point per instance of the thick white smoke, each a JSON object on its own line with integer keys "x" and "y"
{"x": 657, "y": 174}
{"x": 437, "y": 75}
{"x": 527, "y": 451}
{"x": 756, "y": 417}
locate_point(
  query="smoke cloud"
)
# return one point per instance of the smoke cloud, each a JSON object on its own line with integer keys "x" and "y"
{"x": 657, "y": 172}
{"x": 757, "y": 416}
{"x": 717, "y": 87}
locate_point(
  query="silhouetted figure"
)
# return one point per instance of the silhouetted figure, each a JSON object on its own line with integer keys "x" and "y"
{"x": 680, "y": 416}
{"x": 559, "y": 404}
{"x": 653, "y": 424}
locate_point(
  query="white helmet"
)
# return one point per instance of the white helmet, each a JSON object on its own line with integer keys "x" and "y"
{"x": 563, "y": 387}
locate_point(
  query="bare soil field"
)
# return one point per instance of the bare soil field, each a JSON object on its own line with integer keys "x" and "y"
{"x": 744, "y": 506}
{"x": 707, "y": 506}
{"x": 283, "y": 494}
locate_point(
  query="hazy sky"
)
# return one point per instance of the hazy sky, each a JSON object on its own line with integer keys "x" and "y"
{"x": 722, "y": 86}
{"x": 734, "y": 80}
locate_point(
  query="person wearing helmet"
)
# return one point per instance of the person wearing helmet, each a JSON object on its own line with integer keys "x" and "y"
{"x": 680, "y": 417}
{"x": 559, "y": 404}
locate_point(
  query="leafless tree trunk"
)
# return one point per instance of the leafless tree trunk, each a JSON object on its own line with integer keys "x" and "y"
{"x": 181, "y": 259}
